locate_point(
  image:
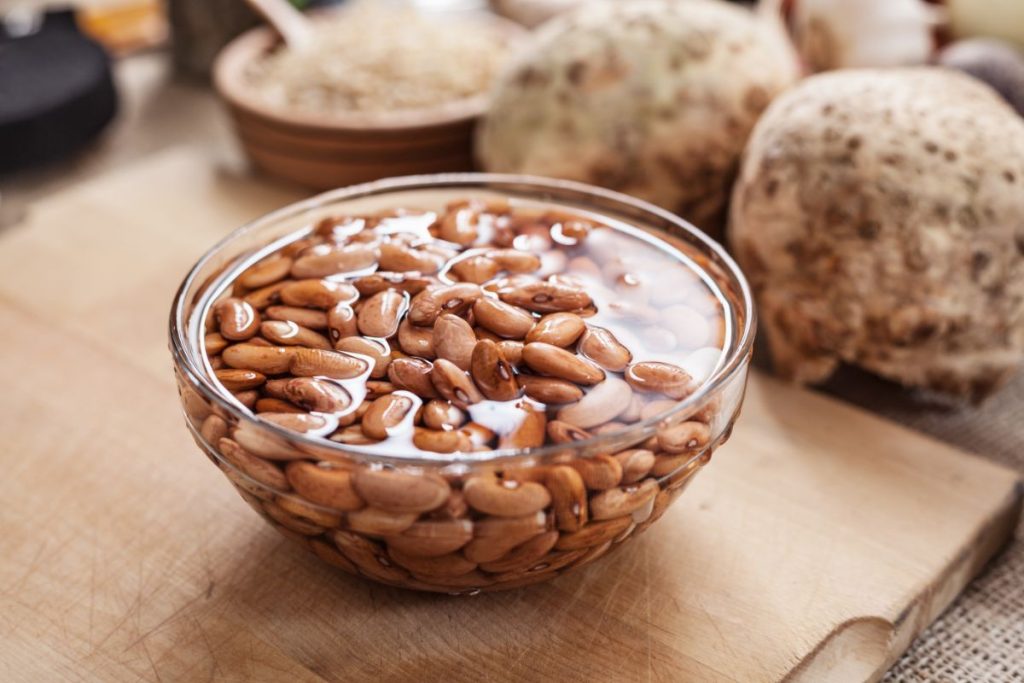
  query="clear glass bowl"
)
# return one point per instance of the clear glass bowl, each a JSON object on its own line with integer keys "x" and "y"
{"x": 403, "y": 520}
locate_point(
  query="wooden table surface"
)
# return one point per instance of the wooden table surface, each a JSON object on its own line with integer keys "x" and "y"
{"x": 818, "y": 542}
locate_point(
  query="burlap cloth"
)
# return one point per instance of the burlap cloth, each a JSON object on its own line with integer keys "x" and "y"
{"x": 981, "y": 636}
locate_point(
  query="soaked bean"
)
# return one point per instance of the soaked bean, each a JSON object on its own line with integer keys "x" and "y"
{"x": 453, "y": 384}
{"x": 275, "y": 405}
{"x": 442, "y": 416}
{"x": 550, "y": 390}
{"x": 475, "y": 269}
{"x": 660, "y": 378}
{"x": 266, "y": 272}
{"x": 505, "y": 498}
{"x": 416, "y": 340}
{"x": 240, "y": 380}
{"x": 385, "y": 413}
{"x": 380, "y": 314}
{"x": 599, "y": 405}
{"x": 565, "y": 432}
{"x": 514, "y": 260}
{"x": 413, "y": 374}
{"x": 443, "y": 336}
{"x": 317, "y": 395}
{"x": 306, "y": 317}
{"x": 375, "y": 349}
{"x": 269, "y": 360}
{"x": 341, "y": 322}
{"x": 214, "y": 343}
{"x": 265, "y": 296}
{"x": 401, "y": 491}
{"x": 334, "y": 261}
{"x": 288, "y": 333}
{"x": 411, "y": 282}
{"x": 453, "y": 340}
{"x": 556, "y": 362}
{"x": 691, "y": 329}
{"x": 492, "y": 373}
{"x": 459, "y": 226}
{"x": 237, "y": 318}
{"x": 322, "y": 363}
{"x": 400, "y": 258}
{"x": 317, "y": 293}
{"x": 512, "y": 351}
{"x": 440, "y": 441}
{"x": 545, "y": 297}
{"x": 429, "y": 304}
{"x": 325, "y": 486}
{"x": 688, "y": 437}
{"x": 601, "y": 346}
{"x": 504, "y": 320}
{"x": 559, "y": 329}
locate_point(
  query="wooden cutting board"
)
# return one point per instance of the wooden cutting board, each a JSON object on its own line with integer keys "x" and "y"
{"x": 815, "y": 546}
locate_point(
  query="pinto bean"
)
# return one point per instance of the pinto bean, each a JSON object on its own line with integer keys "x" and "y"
{"x": 317, "y": 293}
{"x": 266, "y": 272}
{"x": 401, "y": 491}
{"x": 599, "y": 405}
{"x": 600, "y": 345}
{"x": 475, "y": 269}
{"x": 660, "y": 378}
{"x": 240, "y": 380}
{"x": 454, "y": 384}
{"x": 410, "y": 282}
{"x": 492, "y": 373}
{"x": 380, "y": 314}
{"x": 558, "y": 329}
{"x": 325, "y": 261}
{"x": 269, "y": 360}
{"x": 370, "y": 347}
{"x": 550, "y": 390}
{"x": 504, "y": 320}
{"x": 237, "y": 318}
{"x": 323, "y": 363}
{"x": 401, "y": 258}
{"x": 505, "y": 498}
{"x": 288, "y": 333}
{"x": 442, "y": 416}
{"x": 490, "y": 327}
{"x": 317, "y": 395}
{"x": 429, "y": 304}
{"x": 413, "y": 374}
{"x": 416, "y": 340}
{"x": 557, "y": 362}
{"x": 387, "y": 412}
{"x": 453, "y": 340}
{"x": 545, "y": 297}
{"x": 306, "y": 317}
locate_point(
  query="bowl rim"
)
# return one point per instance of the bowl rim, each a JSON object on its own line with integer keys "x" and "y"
{"x": 200, "y": 381}
{"x": 229, "y": 82}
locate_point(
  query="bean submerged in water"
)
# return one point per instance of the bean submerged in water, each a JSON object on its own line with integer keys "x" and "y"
{"x": 493, "y": 328}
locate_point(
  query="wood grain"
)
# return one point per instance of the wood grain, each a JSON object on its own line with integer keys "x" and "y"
{"x": 818, "y": 542}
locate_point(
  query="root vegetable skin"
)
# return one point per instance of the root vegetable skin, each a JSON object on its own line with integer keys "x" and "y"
{"x": 654, "y": 99}
{"x": 879, "y": 215}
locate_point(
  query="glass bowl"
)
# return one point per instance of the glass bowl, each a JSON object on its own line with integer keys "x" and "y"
{"x": 402, "y": 518}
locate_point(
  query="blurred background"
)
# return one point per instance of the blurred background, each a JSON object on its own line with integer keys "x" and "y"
{"x": 91, "y": 86}
{"x": 95, "y": 83}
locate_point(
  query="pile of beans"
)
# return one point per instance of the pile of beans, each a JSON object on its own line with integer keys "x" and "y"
{"x": 485, "y": 326}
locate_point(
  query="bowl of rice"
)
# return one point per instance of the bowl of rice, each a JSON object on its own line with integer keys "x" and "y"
{"x": 378, "y": 91}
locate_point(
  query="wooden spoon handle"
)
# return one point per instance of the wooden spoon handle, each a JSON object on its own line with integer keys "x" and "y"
{"x": 289, "y": 22}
